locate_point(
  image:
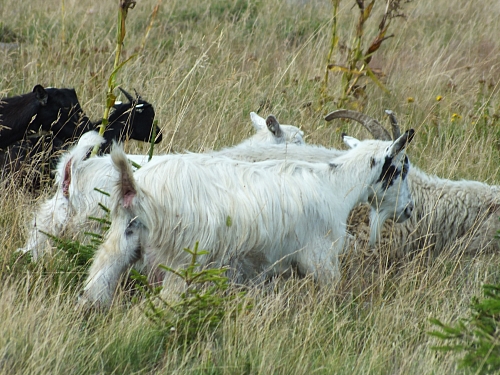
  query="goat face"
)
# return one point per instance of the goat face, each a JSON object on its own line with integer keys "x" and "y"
{"x": 394, "y": 178}
{"x": 390, "y": 195}
{"x": 132, "y": 120}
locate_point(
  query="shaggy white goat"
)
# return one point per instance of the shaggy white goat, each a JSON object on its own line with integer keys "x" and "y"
{"x": 461, "y": 216}
{"x": 281, "y": 212}
{"x": 271, "y": 132}
{"x": 75, "y": 199}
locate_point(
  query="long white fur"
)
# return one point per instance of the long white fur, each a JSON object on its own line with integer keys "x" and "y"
{"x": 264, "y": 216}
{"x": 460, "y": 217}
{"x": 67, "y": 211}
{"x": 456, "y": 216}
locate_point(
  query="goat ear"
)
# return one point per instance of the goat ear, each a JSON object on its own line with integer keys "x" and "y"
{"x": 274, "y": 126}
{"x": 128, "y": 196}
{"x": 66, "y": 180}
{"x": 126, "y": 182}
{"x": 400, "y": 143}
{"x": 258, "y": 122}
{"x": 128, "y": 188}
{"x": 40, "y": 94}
{"x": 350, "y": 142}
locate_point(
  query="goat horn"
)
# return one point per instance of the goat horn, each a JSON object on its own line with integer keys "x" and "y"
{"x": 127, "y": 95}
{"x": 372, "y": 125}
{"x": 396, "y": 131}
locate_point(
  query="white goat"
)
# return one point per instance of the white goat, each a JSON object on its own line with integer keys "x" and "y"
{"x": 269, "y": 131}
{"x": 461, "y": 216}
{"x": 282, "y": 212}
{"x": 75, "y": 199}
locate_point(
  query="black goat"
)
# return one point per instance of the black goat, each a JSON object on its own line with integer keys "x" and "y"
{"x": 58, "y": 111}
{"x": 32, "y": 155}
{"x": 50, "y": 109}
{"x": 132, "y": 120}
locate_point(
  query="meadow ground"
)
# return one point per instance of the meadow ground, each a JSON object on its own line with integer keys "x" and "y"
{"x": 205, "y": 65}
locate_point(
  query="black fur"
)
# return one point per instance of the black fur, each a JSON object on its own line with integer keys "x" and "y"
{"x": 58, "y": 112}
{"x": 391, "y": 173}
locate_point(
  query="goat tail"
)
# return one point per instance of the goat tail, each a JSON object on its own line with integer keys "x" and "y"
{"x": 126, "y": 185}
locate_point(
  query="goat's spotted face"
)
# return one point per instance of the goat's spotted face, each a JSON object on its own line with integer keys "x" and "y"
{"x": 392, "y": 197}
{"x": 389, "y": 193}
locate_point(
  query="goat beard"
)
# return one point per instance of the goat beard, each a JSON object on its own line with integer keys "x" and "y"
{"x": 377, "y": 220}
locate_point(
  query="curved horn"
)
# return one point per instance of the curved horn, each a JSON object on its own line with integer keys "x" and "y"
{"x": 372, "y": 125}
{"x": 127, "y": 95}
{"x": 396, "y": 131}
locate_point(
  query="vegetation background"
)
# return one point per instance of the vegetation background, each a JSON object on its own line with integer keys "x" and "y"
{"x": 205, "y": 65}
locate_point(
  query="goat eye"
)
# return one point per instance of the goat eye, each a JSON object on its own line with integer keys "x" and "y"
{"x": 139, "y": 110}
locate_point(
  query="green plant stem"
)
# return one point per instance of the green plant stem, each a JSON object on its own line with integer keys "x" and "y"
{"x": 333, "y": 45}
{"x": 124, "y": 6}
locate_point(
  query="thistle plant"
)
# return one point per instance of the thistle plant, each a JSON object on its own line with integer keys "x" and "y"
{"x": 357, "y": 64}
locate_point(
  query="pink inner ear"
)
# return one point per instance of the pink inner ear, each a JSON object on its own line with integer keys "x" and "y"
{"x": 128, "y": 189}
{"x": 66, "y": 178}
{"x": 127, "y": 198}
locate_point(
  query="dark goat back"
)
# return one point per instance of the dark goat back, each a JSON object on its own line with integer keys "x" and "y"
{"x": 17, "y": 115}
{"x": 63, "y": 115}
{"x": 51, "y": 109}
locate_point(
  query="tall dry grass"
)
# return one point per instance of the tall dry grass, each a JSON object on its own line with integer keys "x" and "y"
{"x": 205, "y": 66}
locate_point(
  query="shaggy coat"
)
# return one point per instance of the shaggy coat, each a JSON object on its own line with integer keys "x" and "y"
{"x": 457, "y": 216}
{"x": 264, "y": 216}
{"x": 75, "y": 199}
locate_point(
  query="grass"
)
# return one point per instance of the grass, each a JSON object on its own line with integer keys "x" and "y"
{"x": 205, "y": 66}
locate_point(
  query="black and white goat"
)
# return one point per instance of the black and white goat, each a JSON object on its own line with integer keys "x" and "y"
{"x": 457, "y": 216}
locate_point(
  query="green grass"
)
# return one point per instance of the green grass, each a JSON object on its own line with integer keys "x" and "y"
{"x": 205, "y": 66}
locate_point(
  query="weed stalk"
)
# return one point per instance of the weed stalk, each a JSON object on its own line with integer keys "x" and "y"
{"x": 124, "y": 6}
